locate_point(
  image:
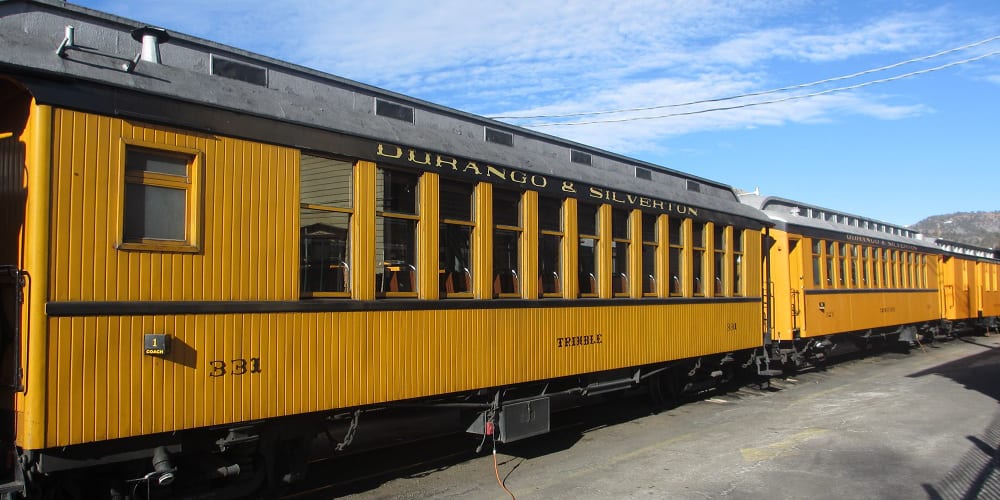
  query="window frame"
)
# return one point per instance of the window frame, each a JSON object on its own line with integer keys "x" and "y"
{"x": 349, "y": 211}
{"x": 462, "y": 223}
{"x": 561, "y": 234}
{"x": 193, "y": 204}
{"x": 387, "y": 265}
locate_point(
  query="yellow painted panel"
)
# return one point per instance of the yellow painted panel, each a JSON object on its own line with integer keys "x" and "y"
{"x": 831, "y": 313}
{"x": 247, "y": 217}
{"x": 957, "y": 284}
{"x": 991, "y": 303}
{"x": 103, "y": 387}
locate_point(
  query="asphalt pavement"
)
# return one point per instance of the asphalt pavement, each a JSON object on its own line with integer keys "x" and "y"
{"x": 916, "y": 425}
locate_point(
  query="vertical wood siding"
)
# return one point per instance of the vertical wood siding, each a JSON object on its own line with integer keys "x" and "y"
{"x": 103, "y": 387}
{"x": 250, "y": 192}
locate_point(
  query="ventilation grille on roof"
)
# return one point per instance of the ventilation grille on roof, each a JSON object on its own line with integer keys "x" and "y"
{"x": 499, "y": 137}
{"x": 393, "y": 110}
{"x": 241, "y": 71}
{"x": 642, "y": 173}
{"x": 579, "y": 157}
{"x": 693, "y": 186}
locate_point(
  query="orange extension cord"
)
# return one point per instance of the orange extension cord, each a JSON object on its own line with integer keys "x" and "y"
{"x": 496, "y": 470}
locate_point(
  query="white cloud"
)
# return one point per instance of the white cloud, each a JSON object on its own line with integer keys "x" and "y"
{"x": 553, "y": 56}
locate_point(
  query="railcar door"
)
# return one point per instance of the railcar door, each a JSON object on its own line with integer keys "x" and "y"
{"x": 11, "y": 302}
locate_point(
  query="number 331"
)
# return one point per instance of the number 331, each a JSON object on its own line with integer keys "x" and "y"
{"x": 239, "y": 366}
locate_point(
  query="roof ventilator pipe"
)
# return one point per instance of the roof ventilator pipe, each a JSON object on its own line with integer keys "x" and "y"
{"x": 69, "y": 42}
{"x": 151, "y": 39}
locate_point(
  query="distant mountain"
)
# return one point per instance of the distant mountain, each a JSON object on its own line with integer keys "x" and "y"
{"x": 981, "y": 229}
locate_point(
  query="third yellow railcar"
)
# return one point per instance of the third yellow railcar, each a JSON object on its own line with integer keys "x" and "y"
{"x": 834, "y": 274}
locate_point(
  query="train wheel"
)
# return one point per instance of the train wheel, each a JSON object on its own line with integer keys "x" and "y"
{"x": 663, "y": 388}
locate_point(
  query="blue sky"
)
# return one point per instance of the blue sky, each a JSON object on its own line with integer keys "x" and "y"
{"x": 897, "y": 151}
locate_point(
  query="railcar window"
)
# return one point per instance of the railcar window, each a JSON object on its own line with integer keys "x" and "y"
{"x": 455, "y": 242}
{"x": 817, "y": 255}
{"x": 923, "y": 273}
{"x": 676, "y": 231}
{"x": 912, "y": 271}
{"x": 620, "y": 244}
{"x": 886, "y": 266}
{"x": 587, "y": 251}
{"x": 865, "y": 265}
{"x": 650, "y": 242}
{"x": 719, "y": 261}
{"x": 899, "y": 263}
{"x": 396, "y": 219}
{"x": 698, "y": 243}
{"x": 737, "y": 261}
{"x": 550, "y": 240}
{"x": 855, "y": 274}
{"x": 904, "y": 268}
{"x": 831, "y": 255}
{"x": 842, "y": 257}
{"x": 326, "y": 187}
{"x": 506, "y": 243}
{"x": 876, "y": 282}
{"x": 160, "y": 199}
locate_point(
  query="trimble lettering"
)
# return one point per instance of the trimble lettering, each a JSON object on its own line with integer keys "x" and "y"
{"x": 580, "y": 340}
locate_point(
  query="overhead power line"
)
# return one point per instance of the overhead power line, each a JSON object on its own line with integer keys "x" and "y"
{"x": 773, "y": 101}
{"x": 763, "y": 92}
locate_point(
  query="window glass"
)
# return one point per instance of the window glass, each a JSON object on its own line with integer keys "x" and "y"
{"x": 676, "y": 257}
{"x": 396, "y": 232}
{"x": 817, "y": 255}
{"x": 397, "y": 191}
{"x": 154, "y": 212}
{"x": 324, "y": 224}
{"x": 161, "y": 162}
{"x": 737, "y": 261}
{"x": 831, "y": 256}
{"x": 649, "y": 245}
{"x": 550, "y": 246}
{"x": 587, "y": 249}
{"x": 455, "y": 239}
{"x": 587, "y": 219}
{"x": 719, "y": 261}
{"x": 698, "y": 257}
{"x": 620, "y": 245}
{"x": 854, "y": 276}
{"x": 158, "y": 199}
{"x": 842, "y": 275}
{"x": 506, "y": 243}
{"x": 456, "y": 200}
{"x": 550, "y": 214}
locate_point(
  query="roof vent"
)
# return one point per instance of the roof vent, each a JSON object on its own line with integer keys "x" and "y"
{"x": 580, "y": 157}
{"x": 499, "y": 137}
{"x": 151, "y": 39}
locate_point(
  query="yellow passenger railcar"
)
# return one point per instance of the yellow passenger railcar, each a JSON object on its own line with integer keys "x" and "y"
{"x": 840, "y": 281}
{"x": 209, "y": 254}
{"x": 970, "y": 291}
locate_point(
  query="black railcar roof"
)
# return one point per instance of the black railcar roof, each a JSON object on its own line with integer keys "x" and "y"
{"x": 814, "y": 221}
{"x": 284, "y": 99}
